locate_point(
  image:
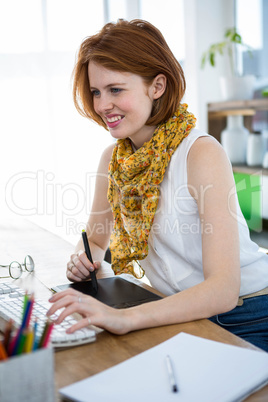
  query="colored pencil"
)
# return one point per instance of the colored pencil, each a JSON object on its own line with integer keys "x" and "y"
{"x": 36, "y": 341}
{"x": 40, "y": 344}
{"x": 7, "y": 334}
{"x": 48, "y": 334}
{"x": 21, "y": 343}
{"x": 3, "y": 352}
{"x": 28, "y": 318}
{"x": 29, "y": 341}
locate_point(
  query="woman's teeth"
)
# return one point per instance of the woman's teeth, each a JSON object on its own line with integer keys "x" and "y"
{"x": 113, "y": 119}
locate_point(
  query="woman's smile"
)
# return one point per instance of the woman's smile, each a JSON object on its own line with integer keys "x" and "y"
{"x": 114, "y": 120}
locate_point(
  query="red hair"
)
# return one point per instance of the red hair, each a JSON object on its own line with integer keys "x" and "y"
{"x": 136, "y": 47}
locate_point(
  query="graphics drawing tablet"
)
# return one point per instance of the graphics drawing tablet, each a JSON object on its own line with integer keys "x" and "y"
{"x": 115, "y": 292}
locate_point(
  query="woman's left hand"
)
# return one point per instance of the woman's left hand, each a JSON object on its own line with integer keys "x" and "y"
{"x": 93, "y": 312}
{"x": 79, "y": 267}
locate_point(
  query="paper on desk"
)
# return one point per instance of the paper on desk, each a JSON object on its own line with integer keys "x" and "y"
{"x": 205, "y": 371}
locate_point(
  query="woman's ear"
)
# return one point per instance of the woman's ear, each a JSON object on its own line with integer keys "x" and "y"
{"x": 159, "y": 86}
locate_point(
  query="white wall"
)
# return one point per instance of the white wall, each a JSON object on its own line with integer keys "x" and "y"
{"x": 205, "y": 23}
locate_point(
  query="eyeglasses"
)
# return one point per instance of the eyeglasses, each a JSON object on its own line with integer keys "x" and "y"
{"x": 15, "y": 268}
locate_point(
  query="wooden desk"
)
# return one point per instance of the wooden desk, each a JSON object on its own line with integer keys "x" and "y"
{"x": 51, "y": 254}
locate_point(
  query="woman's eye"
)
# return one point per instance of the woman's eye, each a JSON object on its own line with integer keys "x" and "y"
{"x": 95, "y": 92}
{"x": 116, "y": 90}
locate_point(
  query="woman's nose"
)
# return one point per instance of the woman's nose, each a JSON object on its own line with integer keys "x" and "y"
{"x": 103, "y": 104}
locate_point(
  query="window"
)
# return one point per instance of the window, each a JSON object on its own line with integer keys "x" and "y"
{"x": 49, "y": 151}
{"x": 251, "y": 22}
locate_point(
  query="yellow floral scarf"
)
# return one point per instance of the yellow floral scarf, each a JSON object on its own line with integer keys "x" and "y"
{"x": 134, "y": 188}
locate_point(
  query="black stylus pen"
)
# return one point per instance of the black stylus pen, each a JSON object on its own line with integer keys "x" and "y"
{"x": 89, "y": 256}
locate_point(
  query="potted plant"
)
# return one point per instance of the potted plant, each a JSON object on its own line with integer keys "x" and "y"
{"x": 234, "y": 86}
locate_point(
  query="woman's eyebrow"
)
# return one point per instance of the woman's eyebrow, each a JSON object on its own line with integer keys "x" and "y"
{"x": 111, "y": 85}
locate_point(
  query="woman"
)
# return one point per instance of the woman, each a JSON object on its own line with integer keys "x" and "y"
{"x": 171, "y": 200}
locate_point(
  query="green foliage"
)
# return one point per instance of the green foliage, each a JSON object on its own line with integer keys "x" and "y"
{"x": 265, "y": 92}
{"x": 231, "y": 39}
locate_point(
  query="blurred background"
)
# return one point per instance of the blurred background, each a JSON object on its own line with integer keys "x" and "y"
{"x": 49, "y": 153}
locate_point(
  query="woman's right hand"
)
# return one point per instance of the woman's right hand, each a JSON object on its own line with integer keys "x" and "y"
{"x": 79, "y": 267}
{"x": 93, "y": 311}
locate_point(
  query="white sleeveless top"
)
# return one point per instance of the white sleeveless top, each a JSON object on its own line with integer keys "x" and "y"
{"x": 174, "y": 261}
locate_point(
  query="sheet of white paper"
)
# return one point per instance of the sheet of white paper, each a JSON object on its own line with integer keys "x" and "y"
{"x": 205, "y": 371}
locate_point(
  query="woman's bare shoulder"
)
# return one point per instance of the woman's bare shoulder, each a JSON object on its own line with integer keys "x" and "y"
{"x": 207, "y": 152}
{"x": 207, "y": 144}
{"x": 106, "y": 157}
{"x": 208, "y": 164}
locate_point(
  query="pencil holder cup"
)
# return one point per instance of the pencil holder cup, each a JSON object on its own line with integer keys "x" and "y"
{"x": 28, "y": 377}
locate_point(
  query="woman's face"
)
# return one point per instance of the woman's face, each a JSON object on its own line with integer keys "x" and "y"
{"x": 123, "y": 101}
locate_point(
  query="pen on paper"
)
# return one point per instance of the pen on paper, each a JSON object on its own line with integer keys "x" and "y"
{"x": 171, "y": 375}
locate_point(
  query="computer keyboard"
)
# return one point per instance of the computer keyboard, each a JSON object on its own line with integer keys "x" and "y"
{"x": 11, "y": 304}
